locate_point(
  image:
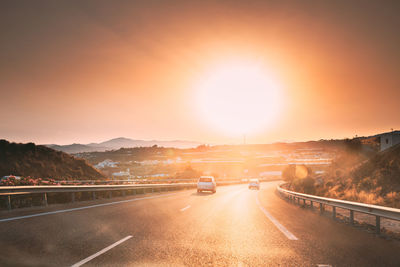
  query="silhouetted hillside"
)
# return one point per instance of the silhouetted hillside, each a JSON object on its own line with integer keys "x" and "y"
{"x": 356, "y": 177}
{"x": 41, "y": 161}
{"x": 383, "y": 170}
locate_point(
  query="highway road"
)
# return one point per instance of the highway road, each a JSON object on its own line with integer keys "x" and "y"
{"x": 234, "y": 227}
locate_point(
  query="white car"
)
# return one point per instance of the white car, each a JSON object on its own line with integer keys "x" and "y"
{"x": 206, "y": 183}
{"x": 254, "y": 183}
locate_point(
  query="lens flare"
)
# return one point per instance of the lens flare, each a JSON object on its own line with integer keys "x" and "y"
{"x": 301, "y": 171}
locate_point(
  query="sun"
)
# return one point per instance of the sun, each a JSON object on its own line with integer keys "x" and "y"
{"x": 239, "y": 98}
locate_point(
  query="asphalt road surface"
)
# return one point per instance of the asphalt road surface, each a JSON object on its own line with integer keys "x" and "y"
{"x": 234, "y": 227}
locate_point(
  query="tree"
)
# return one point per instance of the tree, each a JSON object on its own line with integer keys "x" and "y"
{"x": 289, "y": 174}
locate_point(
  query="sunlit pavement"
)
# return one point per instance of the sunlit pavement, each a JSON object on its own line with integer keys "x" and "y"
{"x": 229, "y": 228}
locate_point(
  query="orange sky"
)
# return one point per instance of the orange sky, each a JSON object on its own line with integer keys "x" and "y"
{"x": 87, "y": 71}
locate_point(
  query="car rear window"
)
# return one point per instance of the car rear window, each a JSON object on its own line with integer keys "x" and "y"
{"x": 208, "y": 180}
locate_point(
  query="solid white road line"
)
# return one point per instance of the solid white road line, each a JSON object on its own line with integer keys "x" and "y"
{"x": 85, "y": 207}
{"x": 101, "y": 252}
{"x": 185, "y": 208}
{"x": 282, "y": 228}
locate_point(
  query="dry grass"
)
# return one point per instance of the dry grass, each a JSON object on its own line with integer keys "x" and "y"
{"x": 355, "y": 177}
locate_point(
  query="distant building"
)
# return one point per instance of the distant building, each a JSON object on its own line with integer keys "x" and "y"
{"x": 106, "y": 163}
{"x": 158, "y": 175}
{"x": 389, "y": 139}
{"x": 122, "y": 174}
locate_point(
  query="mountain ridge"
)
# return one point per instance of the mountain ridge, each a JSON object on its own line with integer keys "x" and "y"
{"x": 121, "y": 142}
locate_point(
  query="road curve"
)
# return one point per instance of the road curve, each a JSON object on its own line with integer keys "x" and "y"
{"x": 234, "y": 227}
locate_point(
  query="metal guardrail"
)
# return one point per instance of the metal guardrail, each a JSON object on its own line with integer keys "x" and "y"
{"x": 9, "y": 191}
{"x": 82, "y": 188}
{"x": 169, "y": 180}
{"x": 129, "y": 181}
{"x": 374, "y": 210}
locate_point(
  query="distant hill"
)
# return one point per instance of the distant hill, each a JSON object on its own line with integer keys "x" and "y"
{"x": 76, "y": 148}
{"x": 121, "y": 142}
{"x": 41, "y": 161}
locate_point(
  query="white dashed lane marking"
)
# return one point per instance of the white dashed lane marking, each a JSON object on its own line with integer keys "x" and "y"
{"x": 185, "y": 208}
{"x": 104, "y": 250}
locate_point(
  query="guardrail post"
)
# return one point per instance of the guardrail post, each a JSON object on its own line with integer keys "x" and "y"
{"x": 72, "y": 197}
{"x": 94, "y": 195}
{"x": 123, "y": 193}
{"x": 110, "y": 194}
{"x": 45, "y": 199}
{"x": 352, "y": 207}
{"x": 378, "y": 225}
{"x": 9, "y": 202}
{"x": 351, "y": 217}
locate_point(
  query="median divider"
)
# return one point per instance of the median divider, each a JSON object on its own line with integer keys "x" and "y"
{"x": 374, "y": 210}
{"x": 26, "y": 196}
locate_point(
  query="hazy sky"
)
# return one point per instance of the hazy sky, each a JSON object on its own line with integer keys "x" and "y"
{"x": 87, "y": 71}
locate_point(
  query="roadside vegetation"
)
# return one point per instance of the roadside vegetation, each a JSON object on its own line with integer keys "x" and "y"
{"x": 359, "y": 173}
